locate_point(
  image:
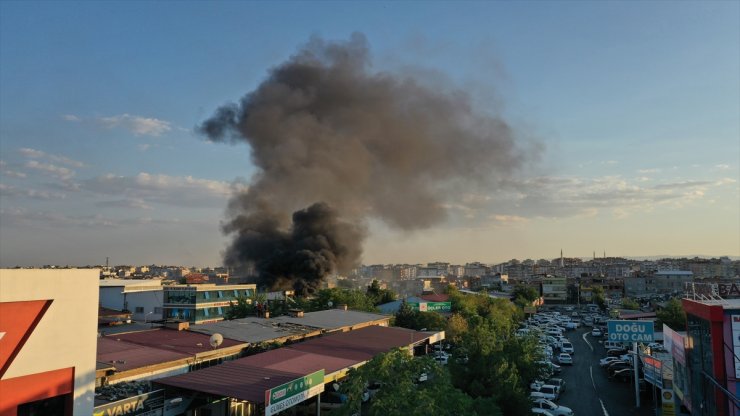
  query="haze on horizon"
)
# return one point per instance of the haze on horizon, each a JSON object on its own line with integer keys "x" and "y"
{"x": 636, "y": 107}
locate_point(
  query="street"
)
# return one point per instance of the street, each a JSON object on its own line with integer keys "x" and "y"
{"x": 588, "y": 390}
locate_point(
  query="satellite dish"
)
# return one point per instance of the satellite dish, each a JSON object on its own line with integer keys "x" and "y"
{"x": 330, "y": 304}
{"x": 216, "y": 340}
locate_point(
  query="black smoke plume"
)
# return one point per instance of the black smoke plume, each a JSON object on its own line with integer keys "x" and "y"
{"x": 329, "y": 134}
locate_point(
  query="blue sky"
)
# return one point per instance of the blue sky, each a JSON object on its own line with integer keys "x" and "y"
{"x": 636, "y": 104}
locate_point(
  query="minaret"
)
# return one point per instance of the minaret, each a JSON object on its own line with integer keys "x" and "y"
{"x": 562, "y": 263}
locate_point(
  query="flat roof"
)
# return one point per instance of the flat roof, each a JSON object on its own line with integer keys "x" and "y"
{"x": 184, "y": 342}
{"x": 255, "y": 330}
{"x": 127, "y": 356}
{"x": 248, "y": 378}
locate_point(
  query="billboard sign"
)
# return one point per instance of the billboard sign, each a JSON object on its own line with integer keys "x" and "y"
{"x": 293, "y": 392}
{"x": 630, "y": 331}
{"x": 431, "y": 306}
{"x": 653, "y": 371}
{"x": 147, "y": 404}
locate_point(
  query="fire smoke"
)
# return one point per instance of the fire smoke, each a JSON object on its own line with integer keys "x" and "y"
{"x": 335, "y": 144}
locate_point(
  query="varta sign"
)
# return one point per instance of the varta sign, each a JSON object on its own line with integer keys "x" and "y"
{"x": 147, "y": 404}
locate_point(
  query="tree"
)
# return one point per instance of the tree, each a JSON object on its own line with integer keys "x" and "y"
{"x": 597, "y": 295}
{"x": 402, "y": 393}
{"x": 628, "y": 303}
{"x": 457, "y": 326}
{"x": 673, "y": 315}
{"x": 354, "y": 299}
{"x": 379, "y": 296}
{"x": 524, "y": 295}
{"x": 242, "y": 308}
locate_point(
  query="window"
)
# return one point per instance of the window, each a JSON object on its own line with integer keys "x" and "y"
{"x": 157, "y": 310}
{"x": 220, "y": 294}
{"x": 139, "y": 309}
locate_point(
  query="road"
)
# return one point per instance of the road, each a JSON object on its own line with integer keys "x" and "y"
{"x": 588, "y": 390}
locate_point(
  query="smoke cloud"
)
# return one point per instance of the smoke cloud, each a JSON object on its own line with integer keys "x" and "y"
{"x": 328, "y": 133}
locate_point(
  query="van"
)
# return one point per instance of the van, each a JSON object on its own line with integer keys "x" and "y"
{"x": 551, "y": 392}
{"x": 613, "y": 344}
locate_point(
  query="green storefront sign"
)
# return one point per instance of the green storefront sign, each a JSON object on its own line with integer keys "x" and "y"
{"x": 431, "y": 306}
{"x": 293, "y": 392}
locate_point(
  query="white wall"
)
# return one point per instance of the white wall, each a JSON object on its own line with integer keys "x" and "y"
{"x": 148, "y": 300}
{"x": 66, "y": 336}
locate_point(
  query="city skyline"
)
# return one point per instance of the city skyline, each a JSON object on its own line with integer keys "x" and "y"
{"x": 630, "y": 114}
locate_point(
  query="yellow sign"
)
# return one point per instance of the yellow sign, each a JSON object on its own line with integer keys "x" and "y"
{"x": 668, "y": 403}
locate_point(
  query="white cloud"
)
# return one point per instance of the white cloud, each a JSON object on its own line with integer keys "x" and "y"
{"x": 38, "y": 154}
{"x": 650, "y": 170}
{"x": 22, "y": 217}
{"x": 124, "y": 203}
{"x": 59, "y": 172}
{"x": 12, "y": 191}
{"x": 140, "y": 126}
{"x": 722, "y": 166}
{"x": 508, "y": 219}
{"x": 70, "y": 117}
{"x": 163, "y": 189}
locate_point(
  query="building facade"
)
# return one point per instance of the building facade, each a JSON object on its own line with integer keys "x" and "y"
{"x": 202, "y": 303}
{"x": 47, "y": 352}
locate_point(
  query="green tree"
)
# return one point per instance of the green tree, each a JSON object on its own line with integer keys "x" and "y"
{"x": 628, "y": 303}
{"x": 524, "y": 295}
{"x": 330, "y": 298}
{"x": 457, "y": 327}
{"x": 402, "y": 393}
{"x": 241, "y": 308}
{"x": 598, "y": 297}
{"x": 378, "y": 295}
{"x": 673, "y": 315}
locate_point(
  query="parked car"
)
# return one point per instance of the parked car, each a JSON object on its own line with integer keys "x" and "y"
{"x": 624, "y": 375}
{"x": 548, "y": 389}
{"x": 567, "y": 347}
{"x": 616, "y": 352}
{"x": 618, "y": 364}
{"x": 558, "y": 382}
{"x": 608, "y": 360}
{"x": 564, "y": 358}
{"x": 541, "y": 412}
{"x": 596, "y": 332}
{"x": 553, "y": 408}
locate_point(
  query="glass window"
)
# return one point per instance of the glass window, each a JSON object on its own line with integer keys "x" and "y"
{"x": 220, "y": 294}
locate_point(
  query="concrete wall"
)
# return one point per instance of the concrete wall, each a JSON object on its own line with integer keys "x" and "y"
{"x": 66, "y": 335}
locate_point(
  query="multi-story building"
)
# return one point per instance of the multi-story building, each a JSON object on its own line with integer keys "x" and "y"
{"x": 143, "y": 298}
{"x": 202, "y": 303}
{"x": 554, "y": 289}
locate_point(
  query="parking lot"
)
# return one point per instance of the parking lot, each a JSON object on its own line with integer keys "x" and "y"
{"x": 588, "y": 389}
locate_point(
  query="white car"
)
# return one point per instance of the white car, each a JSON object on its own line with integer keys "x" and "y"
{"x": 567, "y": 347}
{"x": 553, "y": 408}
{"x": 608, "y": 360}
{"x": 564, "y": 358}
{"x": 538, "y": 411}
{"x": 596, "y": 332}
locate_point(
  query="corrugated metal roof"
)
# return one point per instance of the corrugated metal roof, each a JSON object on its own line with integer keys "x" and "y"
{"x": 248, "y": 378}
{"x": 184, "y": 342}
{"x": 126, "y": 356}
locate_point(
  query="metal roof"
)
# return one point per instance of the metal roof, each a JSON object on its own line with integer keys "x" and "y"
{"x": 126, "y": 356}
{"x": 248, "y": 378}
{"x": 255, "y": 330}
{"x": 184, "y": 342}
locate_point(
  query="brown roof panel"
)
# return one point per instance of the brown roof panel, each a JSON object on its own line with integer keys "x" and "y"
{"x": 235, "y": 379}
{"x": 126, "y": 356}
{"x": 248, "y": 378}
{"x": 185, "y": 342}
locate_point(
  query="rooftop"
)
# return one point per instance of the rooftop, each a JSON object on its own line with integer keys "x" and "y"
{"x": 248, "y": 378}
{"x": 255, "y": 330}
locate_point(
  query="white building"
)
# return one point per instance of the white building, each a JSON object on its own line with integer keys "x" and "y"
{"x": 48, "y": 322}
{"x": 143, "y": 298}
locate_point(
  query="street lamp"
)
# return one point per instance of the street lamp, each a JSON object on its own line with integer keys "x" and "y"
{"x": 145, "y": 316}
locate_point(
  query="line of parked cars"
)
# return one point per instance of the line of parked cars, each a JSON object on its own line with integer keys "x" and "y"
{"x": 550, "y": 327}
